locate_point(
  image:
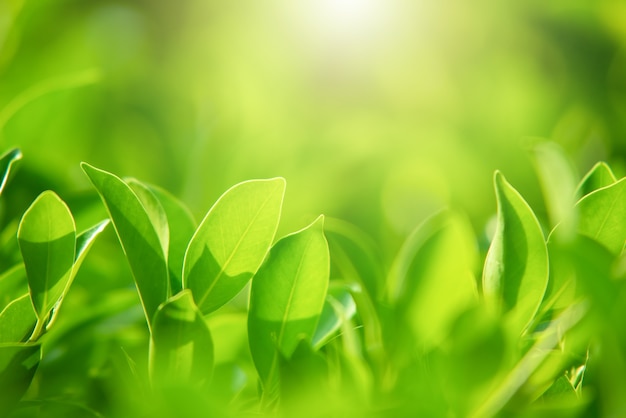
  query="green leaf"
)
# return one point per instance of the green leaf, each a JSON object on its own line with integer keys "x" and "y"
{"x": 339, "y": 308}
{"x": 516, "y": 267}
{"x": 47, "y": 239}
{"x": 17, "y": 320}
{"x": 181, "y": 228}
{"x": 602, "y": 215}
{"x": 181, "y": 349}
{"x": 232, "y": 241}
{"x": 18, "y": 363}
{"x": 433, "y": 276}
{"x": 138, "y": 237}
{"x": 287, "y": 297}
{"x": 13, "y": 284}
{"x": 6, "y": 161}
{"x": 599, "y": 176}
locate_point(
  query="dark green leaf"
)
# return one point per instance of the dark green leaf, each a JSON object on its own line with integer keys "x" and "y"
{"x": 232, "y": 241}
{"x": 516, "y": 268}
{"x": 137, "y": 235}
{"x": 47, "y": 239}
{"x": 181, "y": 350}
{"x": 339, "y": 307}
{"x": 287, "y": 297}
{"x": 13, "y": 284}
{"x": 599, "y": 176}
{"x": 18, "y": 363}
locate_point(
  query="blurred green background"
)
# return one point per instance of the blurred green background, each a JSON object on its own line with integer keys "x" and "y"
{"x": 378, "y": 112}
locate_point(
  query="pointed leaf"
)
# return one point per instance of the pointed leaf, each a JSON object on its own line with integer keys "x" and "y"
{"x": 339, "y": 307}
{"x": 138, "y": 237}
{"x": 599, "y": 176}
{"x": 18, "y": 363}
{"x": 516, "y": 268}
{"x": 287, "y": 297}
{"x": 47, "y": 239}
{"x": 431, "y": 290}
{"x": 155, "y": 212}
{"x": 181, "y": 228}
{"x": 6, "y": 161}
{"x": 232, "y": 241}
{"x": 17, "y": 320}
{"x": 181, "y": 349}
{"x": 603, "y": 215}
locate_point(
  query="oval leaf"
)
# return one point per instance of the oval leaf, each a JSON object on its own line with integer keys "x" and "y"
{"x": 232, "y": 241}
{"x": 181, "y": 349}
{"x": 6, "y": 161}
{"x": 138, "y": 237}
{"x": 47, "y": 239}
{"x": 287, "y": 297}
{"x": 17, "y": 320}
{"x": 516, "y": 267}
{"x": 602, "y": 215}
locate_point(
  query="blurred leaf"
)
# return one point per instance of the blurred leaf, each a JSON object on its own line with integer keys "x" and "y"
{"x": 181, "y": 348}
{"x": 599, "y": 176}
{"x": 558, "y": 183}
{"x": 287, "y": 297}
{"x": 232, "y": 241}
{"x": 17, "y": 320}
{"x": 181, "y": 228}
{"x": 339, "y": 307}
{"x": 13, "y": 284}
{"x": 18, "y": 363}
{"x": 138, "y": 237}
{"x": 602, "y": 215}
{"x": 47, "y": 239}
{"x": 516, "y": 266}
{"x": 6, "y": 161}
{"x": 432, "y": 277}
{"x": 355, "y": 255}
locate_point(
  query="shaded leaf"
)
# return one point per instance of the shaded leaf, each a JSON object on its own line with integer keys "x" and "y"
{"x": 339, "y": 307}
{"x": 17, "y": 320}
{"x": 232, "y": 241}
{"x": 13, "y": 284}
{"x": 181, "y": 228}
{"x": 47, "y": 239}
{"x": 181, "y": 348}
{"x": 602, "y": 215}
{"x": 138, "y": 237}
{"x": 6, "y": 161}
{"x": 516, "y": 267}
{"x": 18, "y": 363}
{"x": 287, "y": 297}
{"x": 599, "y": 176}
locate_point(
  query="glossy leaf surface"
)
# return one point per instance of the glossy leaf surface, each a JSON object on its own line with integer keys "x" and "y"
{"x": 287, "y": 297}
{"x": 232, "y": 241}
{"x": 47, "y": 239}
{"x": 17, "y": 319}
{"x": 137, "y": 235}
{"x": 6, "y": 161}
{"x": 516, "y": 268}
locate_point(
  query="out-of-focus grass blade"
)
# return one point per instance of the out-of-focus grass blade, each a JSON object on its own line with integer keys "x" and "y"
{"x": 138, "y": 237}
{"x": 599, "y": 176}
{"x": 232, "y": 241}
{"x": 17, "y": 320}
{"x": 181, "y": 348}
{"x": 18, "y": 363}
{"x": 558, "y": 182}
{"x": 287, "y": 297}
{"x": 516, "y": 267}
{"x": 6, "y": 161}
{"x": 181, "y": 229}
{"x": 603, "y": 216}
{"x": 433, "y": 276}
{"x": 47, "y": 239}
